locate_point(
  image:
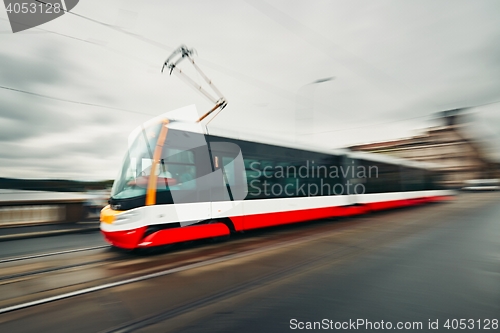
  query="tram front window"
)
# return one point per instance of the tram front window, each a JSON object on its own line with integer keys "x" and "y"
{"x": 174, "y": 176}
{"x": 132, "y": 180}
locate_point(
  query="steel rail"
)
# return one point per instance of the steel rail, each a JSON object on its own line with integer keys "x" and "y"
{"x": 49, "y": 254}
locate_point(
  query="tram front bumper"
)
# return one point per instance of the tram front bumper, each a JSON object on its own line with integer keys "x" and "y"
{"x": 127, "y": 239}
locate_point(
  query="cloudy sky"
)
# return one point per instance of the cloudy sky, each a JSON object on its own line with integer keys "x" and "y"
{"x": 71, "y": 90}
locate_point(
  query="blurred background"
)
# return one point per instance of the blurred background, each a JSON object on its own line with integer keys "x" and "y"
{"x": 418, "y": 80}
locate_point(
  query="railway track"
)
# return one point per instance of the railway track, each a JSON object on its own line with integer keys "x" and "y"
{"x": 31, "y": 270}
{"x": 26, "y": 277}
{"x": 51, "y": 254}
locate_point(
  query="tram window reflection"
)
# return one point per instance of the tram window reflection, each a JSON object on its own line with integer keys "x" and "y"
{"x": 177, "y": 170}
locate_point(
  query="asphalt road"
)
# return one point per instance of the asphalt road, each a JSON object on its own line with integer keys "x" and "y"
{"x": 415, "y": 266}
{"x": 449, "y": 271}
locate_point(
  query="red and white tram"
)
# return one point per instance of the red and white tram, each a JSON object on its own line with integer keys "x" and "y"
{"x": 180, "y": 182}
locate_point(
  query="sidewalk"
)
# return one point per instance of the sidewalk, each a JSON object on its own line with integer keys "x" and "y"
{"x": 12, "y": 233}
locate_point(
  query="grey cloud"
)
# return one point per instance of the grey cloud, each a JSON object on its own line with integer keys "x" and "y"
{"x": 21, "y": 115}
{"x": 73, "y": 159}
{"x": 22, "y": 118}
{"x": 24, "y": 70}
{"x": 392, "y": 60}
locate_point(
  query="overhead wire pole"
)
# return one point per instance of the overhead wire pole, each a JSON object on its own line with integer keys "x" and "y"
{"x": 301, "y": 117}
{"x": 183, "y": 52}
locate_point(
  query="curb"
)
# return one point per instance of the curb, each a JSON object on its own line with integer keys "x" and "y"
{"x": 37, "y": 234}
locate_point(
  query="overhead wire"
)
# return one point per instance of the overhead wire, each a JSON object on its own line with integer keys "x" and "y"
{"x": 114, "y": 27}
{"x": 71, "y": 101}
{"x": 242, "y": 77}
{"x": 230, "y": 72}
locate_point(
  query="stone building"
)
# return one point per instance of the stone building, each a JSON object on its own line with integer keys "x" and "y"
{"x": 449, "y": 146}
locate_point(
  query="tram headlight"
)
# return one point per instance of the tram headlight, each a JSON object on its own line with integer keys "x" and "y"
{"x": 128, "y": 217}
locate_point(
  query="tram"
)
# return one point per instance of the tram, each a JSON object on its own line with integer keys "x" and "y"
{"x": 181, "y": 182}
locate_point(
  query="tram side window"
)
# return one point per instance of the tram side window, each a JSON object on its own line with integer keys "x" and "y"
{"x": 227, "y": 181}
{"x": 290, "y": 179}
{"x": 386, "y": 179}
{"x": 435, "y": 180}
{"x": 185, "y": 176}
{"x": 413, "y": 179}
{"x": 280, "y": 179}
{"x": 277, "y": 172}
{"x": 432, "y": 180}
{"x": 283, "y": 177}
{"x": 293, "y": 178}
{"x": 252, "y": 169}
{"x": 426, "y": 184}
{"x": 267, "y": 169}
{"x": 260, "y": 177}
{"x": 286, "y": 177}
{"x": 179, "y": 165}
{"x": 322, "y": 177}
{"x": 229, "y": 171}
{"x": 234, "y": 176}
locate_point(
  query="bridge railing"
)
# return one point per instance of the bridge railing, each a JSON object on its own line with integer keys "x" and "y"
{"x": 25, "y": 208}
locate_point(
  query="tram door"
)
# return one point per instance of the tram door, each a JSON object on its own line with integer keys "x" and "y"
{"x": 230, "y": 186}
{"x": 185, "y": 165}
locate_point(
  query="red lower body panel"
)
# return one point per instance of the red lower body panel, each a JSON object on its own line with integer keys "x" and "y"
{"x": 272, "y": 219}
{"x": 441, "y": 198}
{"x": 131, "y": 239}
{"x": 182, "y": 234}
{"x": 376, "y": 206}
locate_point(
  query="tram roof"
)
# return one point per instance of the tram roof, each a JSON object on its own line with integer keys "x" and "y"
{"x": 277, "y": 141}
{"x": 381, "y": 158}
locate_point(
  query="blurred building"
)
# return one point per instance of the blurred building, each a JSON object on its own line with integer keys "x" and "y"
{"x": 448, "y": 145}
